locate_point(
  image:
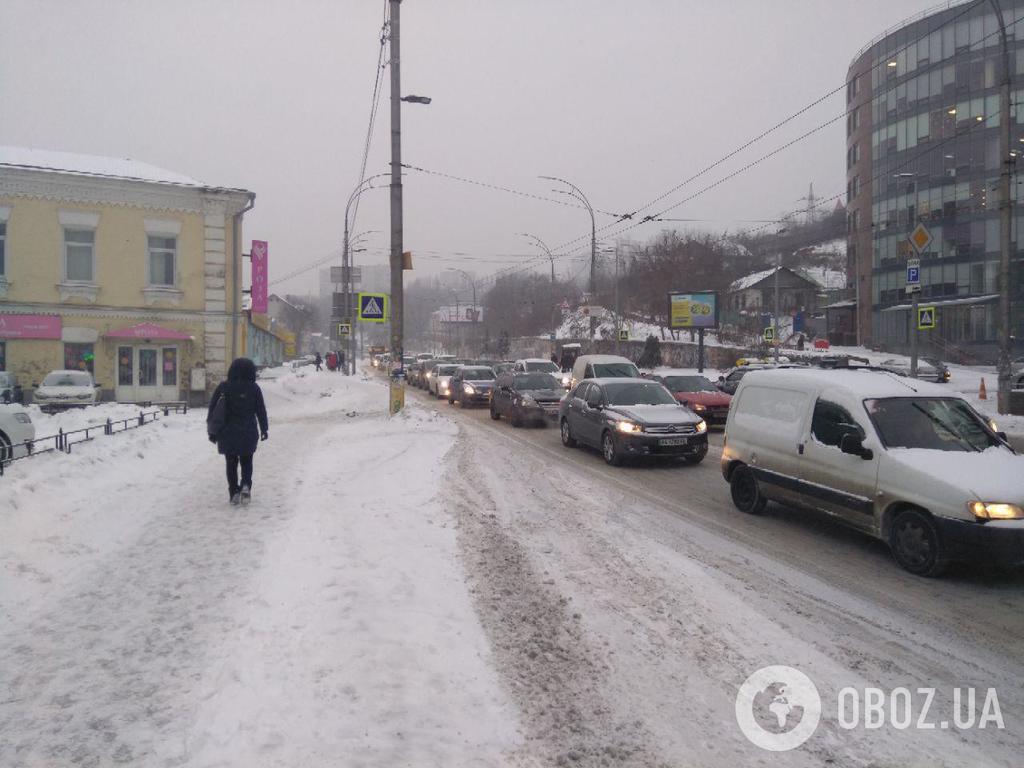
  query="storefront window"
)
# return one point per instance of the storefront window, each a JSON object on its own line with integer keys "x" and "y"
{"x": 125, "y": 367}
{"x": 170, "y": 367}
{"x": 3, "y": 355}
{"x": 79, "y": 357}
{"x": 147, "y": 367}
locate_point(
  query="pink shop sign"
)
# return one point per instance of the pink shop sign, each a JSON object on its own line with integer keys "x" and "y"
{"x": 30, "y": 326}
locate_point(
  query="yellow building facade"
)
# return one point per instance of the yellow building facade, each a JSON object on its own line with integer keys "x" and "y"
{"x": 119, "y": 268}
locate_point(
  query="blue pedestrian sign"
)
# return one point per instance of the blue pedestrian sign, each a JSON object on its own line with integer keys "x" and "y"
{"x": 913, "y": 275}
{"x": 373, "y": 307}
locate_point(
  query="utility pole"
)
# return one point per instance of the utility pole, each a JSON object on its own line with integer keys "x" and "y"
{"x": 775, "y": 313}
{"x": 618, "y": 317}
{"x": 1005, "y": 219}
{"x": 397, "y": 305}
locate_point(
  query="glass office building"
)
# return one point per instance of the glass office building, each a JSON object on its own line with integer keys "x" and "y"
{"x": 923, "y": 145}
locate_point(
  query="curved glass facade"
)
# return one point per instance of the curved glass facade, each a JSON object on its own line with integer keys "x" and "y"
{"x": 923, "y": 146}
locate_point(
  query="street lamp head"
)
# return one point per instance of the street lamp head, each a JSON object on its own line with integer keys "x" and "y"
{"x": 417, "y": 99}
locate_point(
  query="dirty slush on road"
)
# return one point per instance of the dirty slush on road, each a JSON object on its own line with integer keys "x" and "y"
{"x": 552, "y": 673}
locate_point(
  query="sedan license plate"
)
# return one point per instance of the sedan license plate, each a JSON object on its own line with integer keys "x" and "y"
{"x": 673, "y": 441}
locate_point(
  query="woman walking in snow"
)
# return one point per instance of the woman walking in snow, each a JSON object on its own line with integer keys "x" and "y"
{"x": 233, "y": 425}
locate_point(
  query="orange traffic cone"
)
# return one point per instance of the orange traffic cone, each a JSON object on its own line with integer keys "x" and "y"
{"x": 982, "y": 394}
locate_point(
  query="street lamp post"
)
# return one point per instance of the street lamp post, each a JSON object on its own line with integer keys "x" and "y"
{"x": 346, "y": 262}
{"x": 554, "y": 309}
{"x": 397, "y": 399}
{"x": 578, "y": 194}
{"x": 1005, "y": 219}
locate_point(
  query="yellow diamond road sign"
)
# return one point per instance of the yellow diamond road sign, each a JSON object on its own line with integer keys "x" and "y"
{"x": 920, "y": 238}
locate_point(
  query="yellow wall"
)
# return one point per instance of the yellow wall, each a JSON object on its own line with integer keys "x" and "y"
{"x": 35, "y": 252}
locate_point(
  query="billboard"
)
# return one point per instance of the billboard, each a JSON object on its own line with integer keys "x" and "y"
{"x": 259, "y": 276}
{"x": 693, "y": 310}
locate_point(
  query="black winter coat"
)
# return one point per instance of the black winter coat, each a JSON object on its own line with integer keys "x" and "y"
{"x": 243, "y": 409}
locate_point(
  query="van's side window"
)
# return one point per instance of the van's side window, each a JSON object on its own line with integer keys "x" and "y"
{"x": 589, "y": 373}
{"x": 831, "y": 421}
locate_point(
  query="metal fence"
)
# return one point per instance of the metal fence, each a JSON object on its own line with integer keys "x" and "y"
{"x": 63, "y": 441}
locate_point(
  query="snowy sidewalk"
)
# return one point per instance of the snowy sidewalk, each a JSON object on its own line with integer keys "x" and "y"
{"x": 146, "y": 622}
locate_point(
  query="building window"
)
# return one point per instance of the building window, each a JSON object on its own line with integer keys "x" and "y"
{"x": 78, "y": 357}
{"x": 3, "y": 355}
{"x": 170, "y": 367}
{"x": 79, "y": 255}
{"x": 162, "y": 252}
{"x": 3, "y": 249}
{"x": 125, "y": 369}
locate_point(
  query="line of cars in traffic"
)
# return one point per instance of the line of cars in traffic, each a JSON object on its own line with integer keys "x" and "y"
{"x": 903, "y": 460}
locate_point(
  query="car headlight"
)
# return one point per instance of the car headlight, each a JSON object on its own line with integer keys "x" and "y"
{"x": 527, "y": 402}
{"x": 991, "y": 510}
{"x": 565, "y": 380}
{"x": 697, "y": 407}
{"x": 24, "y": 418}
{"x": 430, "y": 374}
{"x": 702, "y": 427}
{"x": 469, "y": 389}
{"x": 628, "y": 426}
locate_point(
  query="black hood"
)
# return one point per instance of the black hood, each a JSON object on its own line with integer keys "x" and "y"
{"x": 242, "y": 369}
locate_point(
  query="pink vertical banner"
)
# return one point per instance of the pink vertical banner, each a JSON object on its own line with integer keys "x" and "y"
{"x": 258, "y": 255}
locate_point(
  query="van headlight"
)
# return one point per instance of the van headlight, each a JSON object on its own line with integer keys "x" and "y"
{"x": 702, "y": 427}
{"x": 468, "y": 389}
{"x": 628, "y": 426}
{"x": 992, "y": 510}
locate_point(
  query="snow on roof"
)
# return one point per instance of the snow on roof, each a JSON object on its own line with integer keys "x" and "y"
{"x": 858, "y": 382}
{"x": 751, "y": 280}
{"x": 91, "y": 165}
{"x": 829, "y": 279}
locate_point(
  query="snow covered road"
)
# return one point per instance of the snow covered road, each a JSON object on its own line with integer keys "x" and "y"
{"x": 440, "y": 589}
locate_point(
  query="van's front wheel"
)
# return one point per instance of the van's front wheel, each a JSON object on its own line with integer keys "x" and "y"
{"x": 746, "y": 494}
{"x": 916, "y": 544}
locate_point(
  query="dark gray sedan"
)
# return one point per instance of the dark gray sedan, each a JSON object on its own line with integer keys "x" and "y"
{"x": 631, "y": 417}
{"x": 526, "y": 397}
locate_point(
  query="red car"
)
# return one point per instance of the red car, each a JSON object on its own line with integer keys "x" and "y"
{"x": 698, "y": 394}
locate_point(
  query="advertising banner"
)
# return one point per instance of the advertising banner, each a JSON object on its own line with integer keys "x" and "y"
{"x": 30, "y": 326}
{"x": 259, "y": 254}
{"x": 693, "y": 310}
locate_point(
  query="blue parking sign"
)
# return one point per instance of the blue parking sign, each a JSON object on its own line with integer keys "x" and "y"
{"x": 913, "y": 275}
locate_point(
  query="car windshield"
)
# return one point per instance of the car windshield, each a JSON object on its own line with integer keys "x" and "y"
{"x": 477, "y": 374}
{"x": 689, "y": 384}
{"x": 446, "y": 370}
{"x": 935, "y": 423}
{"x": 638, "y": 393}
{"x": 542, "y": 365}
{"x": 67, "y": 380}
{"x": 536, "y": 381}
{"x": 614, "y": 370}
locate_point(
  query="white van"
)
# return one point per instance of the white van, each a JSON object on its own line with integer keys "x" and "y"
{"x": 602, "y": 367}
{"x": 906, "y": 461}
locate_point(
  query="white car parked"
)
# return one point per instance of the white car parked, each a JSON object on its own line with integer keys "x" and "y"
{"x": 905, "y": 461}
{"x": 66, "y": 389}
{"x": 15, "y": 428}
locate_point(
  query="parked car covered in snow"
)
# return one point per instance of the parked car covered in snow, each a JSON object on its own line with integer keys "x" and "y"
{"x": 15, "y": 428}
{"x": 928, "y": 369}
{"x": 65, "y": 389}
{"x": 905, "y": 461}
{"x": 10, "y": 390}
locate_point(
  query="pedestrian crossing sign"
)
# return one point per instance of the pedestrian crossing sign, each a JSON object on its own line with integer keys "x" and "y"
{"x": 623, "y": 334}
{"x": 925, "y": 318}
{"x": 373, "y": 307}
{"x": 769, "y": 334}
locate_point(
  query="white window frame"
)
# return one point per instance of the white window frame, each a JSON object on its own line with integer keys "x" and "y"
{"x": 150, "y": 251}
{"x": 161, "y": 228}
{"x": 81, "y": 222}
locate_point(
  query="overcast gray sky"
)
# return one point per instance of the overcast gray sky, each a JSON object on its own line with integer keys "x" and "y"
{"x": 625, "y": 98}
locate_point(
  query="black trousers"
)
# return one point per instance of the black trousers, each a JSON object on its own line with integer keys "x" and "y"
{"x": 232, "y": 464}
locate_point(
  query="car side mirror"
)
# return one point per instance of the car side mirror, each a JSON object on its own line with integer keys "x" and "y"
{"x": 853, "y": 444}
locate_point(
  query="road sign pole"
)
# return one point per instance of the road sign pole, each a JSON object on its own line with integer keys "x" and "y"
{"x": 913, "y": 339}
{"x": 700, "y": 350}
